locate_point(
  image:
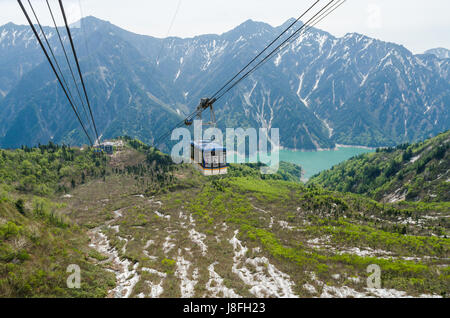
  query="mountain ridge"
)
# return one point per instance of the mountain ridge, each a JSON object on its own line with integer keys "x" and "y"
{"x": 309, "y": 90}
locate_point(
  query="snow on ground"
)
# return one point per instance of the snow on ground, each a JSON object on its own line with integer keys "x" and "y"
{"x": 271, "y": 222}
{"x": 126, "y": 279}
{"x": 414, "y": 159}
{"x": 155, "y": 202}
{"x": 398, "y": 195}
{"x": 216, "y": 287}
{"x": 310, "y": 288}
{"x": 151, "y": 257}
{"x": 364, "y": 252}
{"x": 124, "y": 248}
{"x": 348, "y": 292}
{"x": 265, "y": 280}
{"x": 393, "y": 293}
{"x": 354, "y": 279}
{"x": 319, "y": 242}
{"x": 224, "y": 227}
{"x": 154, "y": 271}
{"x": 167, "y": 217}
{"x": 336, "y": 276}
{"x": 182, "y": 216}
{"x": 147, "y": 245}
{"x": 117, "y": 214}
{"x": 168, "y": 246}
{"x": 187, "y": 285}
{"x": 156, "y": 290}
{"x": 285, "y": 225}
{"x": 331, "y": 291}
{"x": 259, "y": 209}
{"x": 198, "y": 238}
{"x": 184, "y": 219}
{"x": 340, "y": 292}
{"x": 323, "y": 243}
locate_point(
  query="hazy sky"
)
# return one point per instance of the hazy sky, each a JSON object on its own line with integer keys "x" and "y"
{"x": 417, "y": 24}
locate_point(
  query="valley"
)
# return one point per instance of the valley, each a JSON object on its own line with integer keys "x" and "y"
{"x": 93, "y": 205}
{"x": 154, "y": 229}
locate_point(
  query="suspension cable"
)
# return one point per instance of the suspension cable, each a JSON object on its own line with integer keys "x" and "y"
{"x": 53, "y": 68}
{"x": 316, "y": 19}
{"x": 271, "y": 54}
{"x": 68, "y": 63}
{"x": 168, "y": 31}
{"x": 197, "y": 112}
{"x": 51, "y": 50}
{"x": 179, "y": 124}
{"x": 265, "y": 49}
{"x": 78, "y": 65}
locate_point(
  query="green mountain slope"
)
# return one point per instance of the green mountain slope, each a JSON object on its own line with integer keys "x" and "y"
{"x": 37, "y": 241}
{"x": 417, "y": 172}
{"x": 140, "y": 226}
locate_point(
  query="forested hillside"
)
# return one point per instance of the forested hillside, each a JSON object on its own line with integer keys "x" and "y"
{"x": 140, "y": 226}
{"x": 37, "y": 241}
{"x": 416, "y": 172}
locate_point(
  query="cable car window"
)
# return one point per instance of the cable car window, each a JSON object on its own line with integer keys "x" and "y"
{"x": 207, "y": 159}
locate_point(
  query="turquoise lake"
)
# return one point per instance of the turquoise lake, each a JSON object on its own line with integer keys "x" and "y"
{"x": 313, "y": 162}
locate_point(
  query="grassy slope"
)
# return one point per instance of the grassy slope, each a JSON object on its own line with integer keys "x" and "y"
{"x": 260, "y": 211}
{"x": 279, "y": 216}
{"x": 417, "y": 172}
{"x": 37, "y": 244}
{"x": 37, "y": 241}
{"x": 275, "y": 214}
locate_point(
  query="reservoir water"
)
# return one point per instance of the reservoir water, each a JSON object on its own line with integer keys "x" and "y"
{"x": 313, "y": 162}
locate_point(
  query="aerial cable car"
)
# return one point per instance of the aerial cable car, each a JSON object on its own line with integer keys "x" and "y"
{"x": 208, "y": 157}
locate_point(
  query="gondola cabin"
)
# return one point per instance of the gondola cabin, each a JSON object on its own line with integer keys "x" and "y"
{"x": 209, "y": 158}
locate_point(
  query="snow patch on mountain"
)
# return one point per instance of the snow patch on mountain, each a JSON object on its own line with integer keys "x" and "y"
{"x": 188, "y": 282}
{"x": 265, "y": 280}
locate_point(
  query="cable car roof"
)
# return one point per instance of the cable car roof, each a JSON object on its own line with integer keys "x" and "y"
{"x": 208, "y": 145}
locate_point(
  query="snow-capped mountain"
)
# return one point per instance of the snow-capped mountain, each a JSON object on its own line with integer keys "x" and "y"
{"x": 319, "y": 90}
{"x": 439, "y": 52}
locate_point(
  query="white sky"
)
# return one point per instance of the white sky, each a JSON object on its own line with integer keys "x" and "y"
{"x": 417, "y": 24}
